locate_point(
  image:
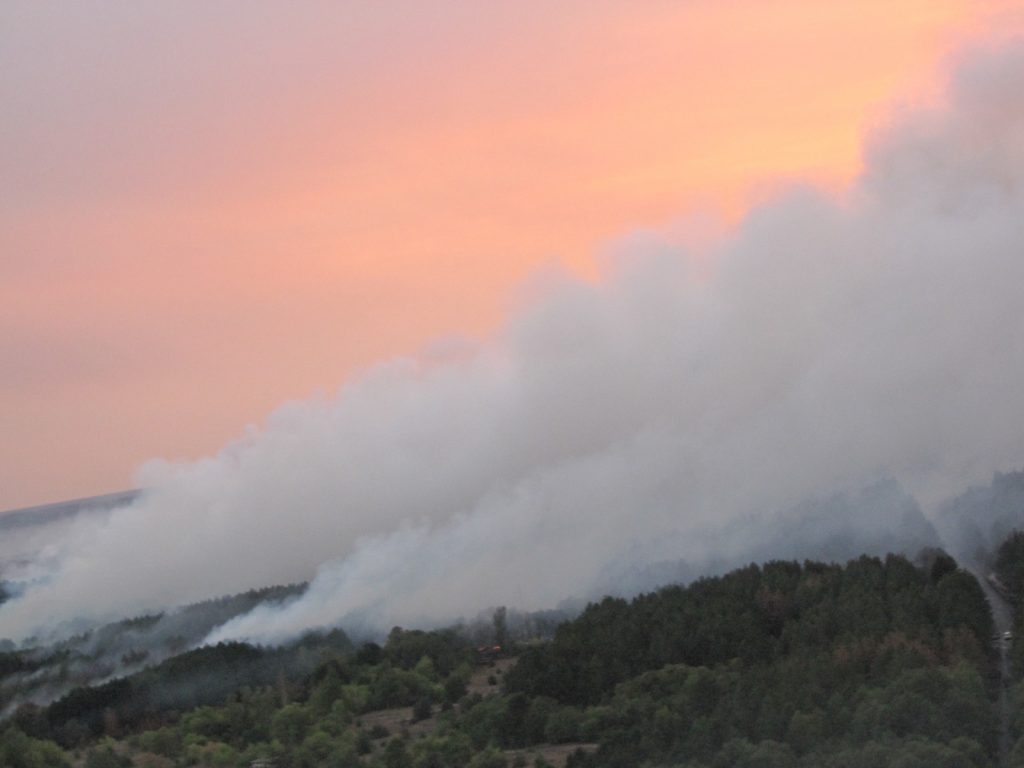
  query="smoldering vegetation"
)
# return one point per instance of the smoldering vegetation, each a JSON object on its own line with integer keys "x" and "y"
{"x": 803, "y": 388}
{"x": 42, "y": 669}
{"x": 878, "y": 662}
{"x": 128, "y": 661}
{"x": 159, "y": 662}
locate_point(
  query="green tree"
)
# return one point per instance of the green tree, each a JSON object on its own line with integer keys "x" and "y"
{"x": 20, "y": 751}
{"x": 290, "y": 723}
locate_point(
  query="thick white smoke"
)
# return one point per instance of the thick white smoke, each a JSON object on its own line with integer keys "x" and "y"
{"x": 828, "y": 345}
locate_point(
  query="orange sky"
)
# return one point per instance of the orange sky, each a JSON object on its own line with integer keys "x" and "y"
{"x": 207, "y": 211}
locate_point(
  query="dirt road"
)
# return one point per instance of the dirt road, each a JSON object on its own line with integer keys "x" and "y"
{"x": 1002, "y": 617}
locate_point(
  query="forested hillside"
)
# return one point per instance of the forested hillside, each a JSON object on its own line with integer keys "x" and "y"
{"x": 875, "y": 663}
{"x": 782, "y": 665}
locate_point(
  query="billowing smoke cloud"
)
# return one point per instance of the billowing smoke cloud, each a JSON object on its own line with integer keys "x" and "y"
{"x": 828, "y": 345}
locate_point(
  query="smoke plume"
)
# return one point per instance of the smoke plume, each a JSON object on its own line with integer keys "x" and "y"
{"x": 819, "y": 349}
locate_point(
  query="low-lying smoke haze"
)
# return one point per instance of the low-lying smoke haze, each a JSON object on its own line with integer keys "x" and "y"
{"x": 30, "y": 539}
{"x": 821, "y": 348}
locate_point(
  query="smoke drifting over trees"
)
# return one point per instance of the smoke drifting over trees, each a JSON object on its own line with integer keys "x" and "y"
{"x": 839, "y": 360}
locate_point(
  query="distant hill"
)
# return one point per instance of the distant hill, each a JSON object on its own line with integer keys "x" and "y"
{"x": 62, "y": 510}
{"x": 25, "y": 533}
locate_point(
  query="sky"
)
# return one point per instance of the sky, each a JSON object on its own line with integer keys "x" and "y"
{"x": 207, "y": 210}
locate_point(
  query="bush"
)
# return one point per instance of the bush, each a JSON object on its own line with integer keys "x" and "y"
{"x": 20, "y": 751}
{"x": 492, "y": 757}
